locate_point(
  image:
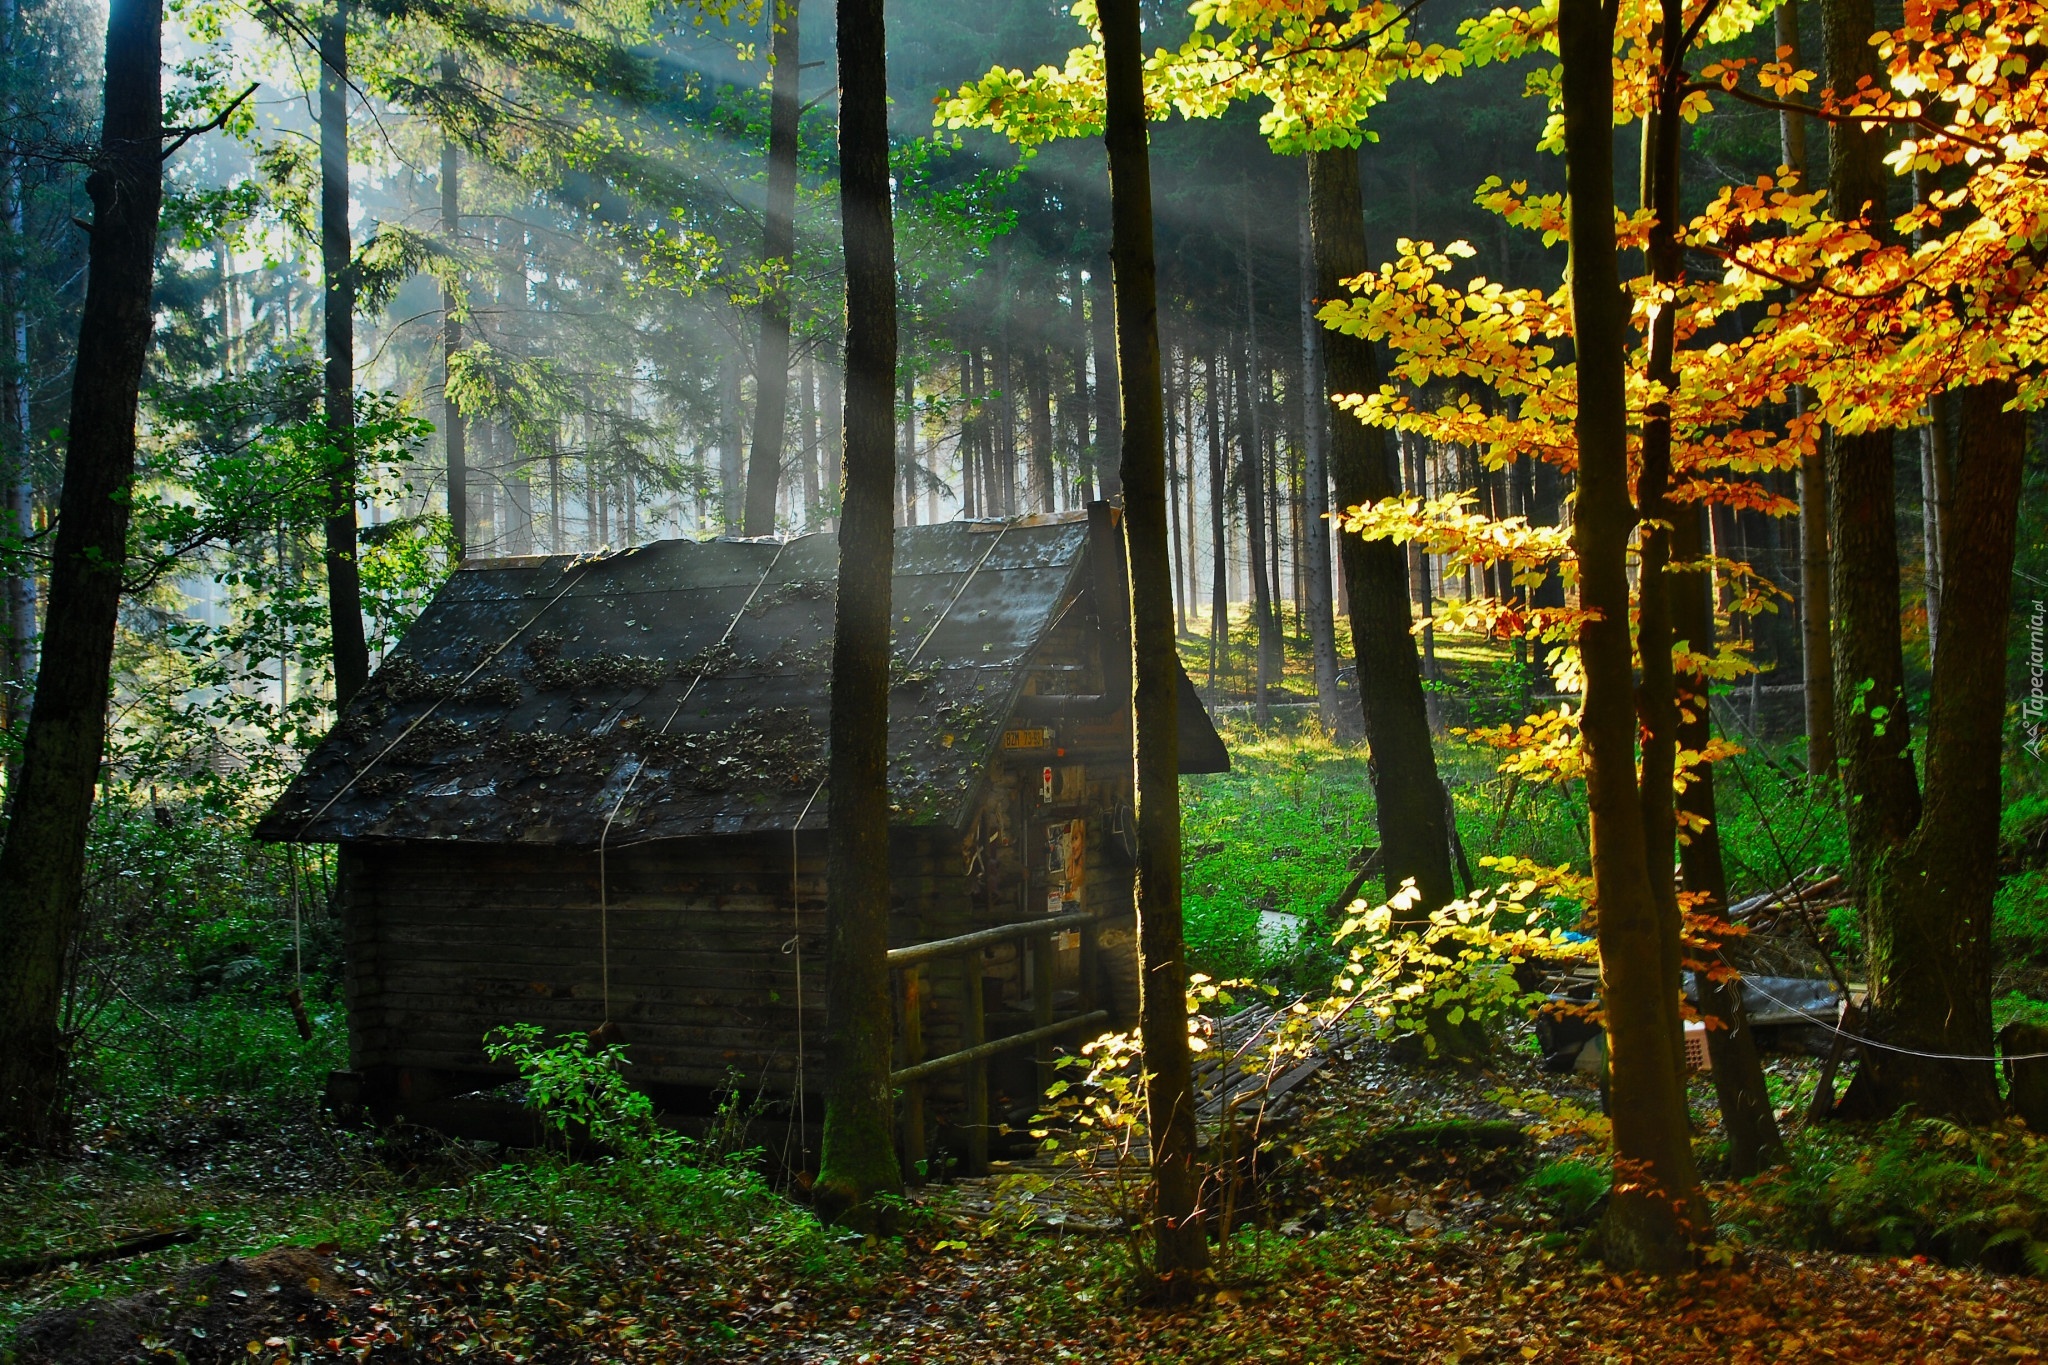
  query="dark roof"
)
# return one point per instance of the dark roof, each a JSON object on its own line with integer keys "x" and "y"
{"x": 532, "y": 693}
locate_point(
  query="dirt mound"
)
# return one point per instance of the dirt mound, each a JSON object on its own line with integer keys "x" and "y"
{"x": 215, "y": 1312}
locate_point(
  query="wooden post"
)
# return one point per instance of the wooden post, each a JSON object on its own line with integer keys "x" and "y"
{"x": 972, "y": 1028}
{"x": 1086, "y": 1002}
{"x": 913, "y": 1091}
{"x": 1041, "y": 1002}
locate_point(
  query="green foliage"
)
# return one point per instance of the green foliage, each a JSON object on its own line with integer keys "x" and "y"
{"x": 1450, "y": 980}
{"x": 1909, "y": 1186}
{"x": 2019, "y": 917}
{"x": 1572, "y": 1186}
{"x": 650, "y": 1176}
{"x": 187, "y": 947}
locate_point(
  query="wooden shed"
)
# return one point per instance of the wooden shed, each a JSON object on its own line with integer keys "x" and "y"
{"x": 589, "y": 790}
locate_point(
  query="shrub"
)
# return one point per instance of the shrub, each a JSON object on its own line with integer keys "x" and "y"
{"x": 1910, "y": 1186}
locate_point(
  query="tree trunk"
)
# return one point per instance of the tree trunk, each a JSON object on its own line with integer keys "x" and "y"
{"x": 1656, "y": 1205}
{"x": 19, "y": 522}
{"x": 807, "y": 416}
{"x": 1678, "y": 610}
{"x": 42, "y": 863}
{"x": 778, "y": 244}
{"x": 859, "y": 1158}
{"x": 337, "y": 268}
{"x": 1173, "y": 444}
{"x": 1928, "y": 903}
{"x": 1871, "y": 724}
{"x": 1252, "y": 484}
{"x": 732, "y": 473}
{"x": 1108, "y": 447}
{"x": 1408, "y": 796}
{"x": 1179, "y": 1242}
{"x": 1219, "y": 567}
{"x": 452, "y": 430}
{"x": 1084, "y": 478}
{"x": 1038, "y": 380}
{"x": 1746, "y": 1115}
{"x": 1657, "y": 695}
{"x": 1315, "y": 412}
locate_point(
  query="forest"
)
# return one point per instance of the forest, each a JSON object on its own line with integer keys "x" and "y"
{"x": 1212, "y": 680}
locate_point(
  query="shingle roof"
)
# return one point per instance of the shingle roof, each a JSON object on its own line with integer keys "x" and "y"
{"x": 532, "y": 694}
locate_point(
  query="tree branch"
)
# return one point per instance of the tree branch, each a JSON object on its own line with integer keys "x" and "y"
{"x": 185, "y": 135}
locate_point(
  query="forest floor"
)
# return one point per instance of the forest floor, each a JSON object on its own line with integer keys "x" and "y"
{"x": 1395, "y": 1226}
{"x": 1415, "y": 1213}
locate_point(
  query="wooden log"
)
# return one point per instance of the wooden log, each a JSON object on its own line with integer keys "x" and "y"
{"x": 22, "y": 1266}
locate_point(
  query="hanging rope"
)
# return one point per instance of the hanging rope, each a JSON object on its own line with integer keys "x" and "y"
{"x": 577, "y": 568}
{"x": 604, "y": 949}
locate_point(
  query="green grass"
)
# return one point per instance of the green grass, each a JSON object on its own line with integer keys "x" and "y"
{"x": 1276, "y": 833}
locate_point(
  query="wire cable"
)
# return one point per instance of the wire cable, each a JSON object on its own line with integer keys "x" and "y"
{"x": 640, "y": 766}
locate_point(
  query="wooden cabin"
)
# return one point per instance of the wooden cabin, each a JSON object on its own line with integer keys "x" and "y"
{"x": 589, "y": 790}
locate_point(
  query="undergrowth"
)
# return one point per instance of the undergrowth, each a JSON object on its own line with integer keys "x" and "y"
{"x": 1907, "y": 1186}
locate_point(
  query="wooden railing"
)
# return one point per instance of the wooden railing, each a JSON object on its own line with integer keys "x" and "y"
{"x": 976, "y": 1050}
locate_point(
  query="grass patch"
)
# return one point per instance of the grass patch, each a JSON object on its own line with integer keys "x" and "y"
{"x": 1275, "y": 836}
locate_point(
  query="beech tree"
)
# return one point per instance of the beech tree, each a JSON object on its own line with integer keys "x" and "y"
{"x": 1656, "y": 1209}
{"x": 859, "y": 1158}
{"x": 42, "y": 861}
{"x": 1180, "y": 1242}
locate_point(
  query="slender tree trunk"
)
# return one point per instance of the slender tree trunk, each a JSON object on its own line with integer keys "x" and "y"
{"x": 778, "y": 244}
{"x": 1676, "y": 609}
{"x": 1173, "y": 443}
{"x": 1108, "y": 416}
{"x": 1190, "y": 564}
{"x": 1928, "y": 903}
{"x": 1657, "y": 697}
{"x": 1315, "y": 409}
{"x": 1039, "y": 371}
{"x": 1179, "y": 1243}
{"x": 1219, "y": 566}
{"x": 1408, "y": 795}
{"x": 344, "y": 581}
{"x": 1935, "y": 463}
{"x": 1084, "y": 465}
{"x": 807, "y": 415}
{"x": 1754, "y": 1142}
{"x": 1871, "y": 726}
{"x": 1816, "y": 647}
{"x": 1252, "y": 484}
{"x": 452, "y": 430}
{"x": 42, "y": 862}
{"x": 1656, "y": 1205}
{"x": 732, "y": 472}
{"x": 909, "y": 463}
{"x": 20, "y": 515}
{"x": 859, "y": 1158}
